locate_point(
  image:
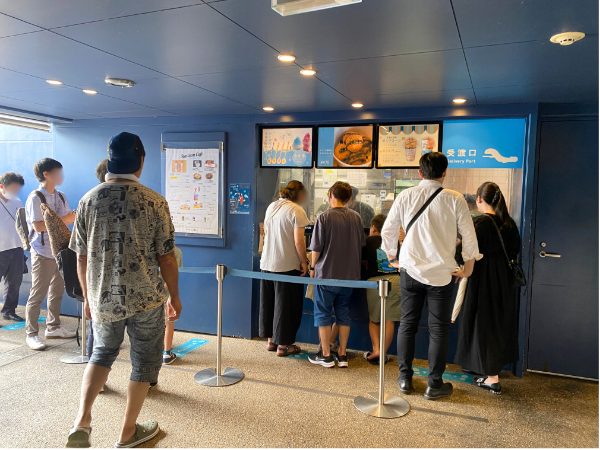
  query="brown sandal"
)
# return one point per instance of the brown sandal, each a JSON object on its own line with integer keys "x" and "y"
{"x": 287, "y": 350}
{"x": 271, "y": 347}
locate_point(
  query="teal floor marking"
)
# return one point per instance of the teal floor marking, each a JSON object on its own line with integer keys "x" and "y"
{"x": 301, "y": 355}
{"x": 19, "y": 325}
{"x": 189, "y": 346}
{"x": 448, "y": 376}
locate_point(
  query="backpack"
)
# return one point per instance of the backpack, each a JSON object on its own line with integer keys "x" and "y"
{"x": 21, "y": 221}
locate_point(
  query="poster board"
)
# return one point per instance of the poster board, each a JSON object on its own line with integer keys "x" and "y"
{"x": 402, "y": 145}
{"x": 289, "y": 147}
{"x": 345, "y": 147}
{"x": 193, "y": 185}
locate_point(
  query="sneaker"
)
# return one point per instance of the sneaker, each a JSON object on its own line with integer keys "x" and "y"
{"x": 59, "y": 333}
{"x": 342, "y": 360}
{"x": 169, "y": 357}
{"x": 35, "y": 342}
{"x": 320, "y": 360}
{"x": 12, "y": 316}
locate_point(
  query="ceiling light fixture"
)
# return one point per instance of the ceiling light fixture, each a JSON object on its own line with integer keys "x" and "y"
{"x": 290, "y": 7}
{"x": 268, "y": 109}
{"x": 89, "y": 91}
{"x": 25, "y": 122}
{"x": 119, "y": 82}
{"x": 357, "y": 105}
{"x": 54, "y": 82}
{"x": 286, "y": 57}
{"x": 568, "y": 38}
{"x": 308, "y": 72}
{"x": 459, "y": 101}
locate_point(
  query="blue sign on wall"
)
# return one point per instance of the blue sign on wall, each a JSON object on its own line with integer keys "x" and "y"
{"x": 484, "y": 143}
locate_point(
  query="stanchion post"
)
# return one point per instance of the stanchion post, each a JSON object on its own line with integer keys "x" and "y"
{"x": 82, "y": 358}
{"x": 216, "y": 377}
{"x": 378, "y": 405}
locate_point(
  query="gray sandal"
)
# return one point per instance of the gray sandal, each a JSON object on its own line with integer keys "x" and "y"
{"x": 143, "y": 432}
{"x": 79, "y": 437}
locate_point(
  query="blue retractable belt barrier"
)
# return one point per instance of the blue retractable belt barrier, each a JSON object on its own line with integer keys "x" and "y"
{"x": 301, "y": 280}
{"x": 209, "y": 270}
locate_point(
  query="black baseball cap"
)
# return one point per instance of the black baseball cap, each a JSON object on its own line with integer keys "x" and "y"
{"x": 125, "y": 153}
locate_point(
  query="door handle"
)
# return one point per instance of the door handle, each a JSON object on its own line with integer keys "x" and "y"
{"x": 544, "y": 254}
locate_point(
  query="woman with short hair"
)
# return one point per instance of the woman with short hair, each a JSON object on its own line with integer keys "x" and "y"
{"x": 284, "y": 252}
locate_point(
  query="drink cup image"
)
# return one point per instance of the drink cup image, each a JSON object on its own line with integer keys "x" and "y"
{"x": 410, "y": 148}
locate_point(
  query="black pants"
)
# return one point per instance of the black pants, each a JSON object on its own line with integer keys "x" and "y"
{"x": 413, "y": 295}
{"x": 280, "y": 309}
{"x": 11, "y": 271}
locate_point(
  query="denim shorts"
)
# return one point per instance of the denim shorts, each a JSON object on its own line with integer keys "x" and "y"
{"x": 332, "y": 305}
{"x": 146, "y": 333}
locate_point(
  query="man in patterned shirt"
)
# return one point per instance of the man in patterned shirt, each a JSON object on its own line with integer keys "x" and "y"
{"x": 124, "y": 239}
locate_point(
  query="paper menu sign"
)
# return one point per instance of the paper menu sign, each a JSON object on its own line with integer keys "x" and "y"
{"x": 403, "y": 145}
{"x": 357, "y": 179}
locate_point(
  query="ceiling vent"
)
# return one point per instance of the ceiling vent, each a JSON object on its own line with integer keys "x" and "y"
{"x": 567, "y": 38}
{"x": 290, "y": 7}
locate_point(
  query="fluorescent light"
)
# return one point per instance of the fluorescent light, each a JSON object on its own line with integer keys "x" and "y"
{"x": 54, "y": 82}
{"x": 357, "y": 105}
{"x": 459, "y": 101}
{"x": 25, "y": 122}
{"x": 308, "y": 72}
{"x": 290, "y": 7}
{"x": 119, "y": 82}
{"x": 268, "y": 109}
{"x": 286, "y": 58}
{"x": 568, "y": 38}
{"x": 89, "y": 91}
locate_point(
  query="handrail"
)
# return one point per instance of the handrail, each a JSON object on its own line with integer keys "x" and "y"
{"x": 208, "y": 270}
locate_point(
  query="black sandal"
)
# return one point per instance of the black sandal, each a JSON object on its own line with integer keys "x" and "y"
{"x": 494, "y": 388}
{"x": 287, "y": 350}
{"x": 271, "y": 347}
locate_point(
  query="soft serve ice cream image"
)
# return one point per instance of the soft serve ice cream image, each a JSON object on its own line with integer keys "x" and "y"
{"x": 410, "y": 148}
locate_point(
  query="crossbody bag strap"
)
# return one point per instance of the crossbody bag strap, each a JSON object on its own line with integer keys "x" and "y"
{"x": 7, "y": 211}
{"x": 423, "y": 208}
{"x": 501, "y": 240}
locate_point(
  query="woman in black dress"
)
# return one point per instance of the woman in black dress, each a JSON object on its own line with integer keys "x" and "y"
{"x": 487, "y": 338}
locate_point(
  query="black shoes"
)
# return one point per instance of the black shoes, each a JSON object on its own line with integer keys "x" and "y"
{"x": 342, "y": 360}
{"x": 435, "y": 393}
{"x": 494, "y": 388}
{"x": 406, "y": 386}
{"x": 12, "y": 316}
{"x": 320, "y": 360}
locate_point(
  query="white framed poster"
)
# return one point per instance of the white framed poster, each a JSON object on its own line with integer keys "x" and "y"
{"x": 193, "y": 189}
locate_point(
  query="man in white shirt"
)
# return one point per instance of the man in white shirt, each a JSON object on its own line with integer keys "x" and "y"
{"x": 11, "y": 250}
{"x": 427, "y": 265}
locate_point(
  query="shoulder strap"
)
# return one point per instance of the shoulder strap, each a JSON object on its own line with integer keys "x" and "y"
{"x": 501, "y": 239}
{"x": 423, "y": 208}
{"x": 7, "y": 211}
{"x": 41, "y": 196}
{"x": 62, "y": 197}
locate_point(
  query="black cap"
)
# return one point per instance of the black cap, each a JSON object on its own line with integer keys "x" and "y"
{"x": 125, "y": 152}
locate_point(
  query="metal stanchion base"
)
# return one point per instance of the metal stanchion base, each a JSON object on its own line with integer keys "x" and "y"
{"x": 392, "y": 407}
{"x": 70, "y": 358}
{"x": 209, "y": 377}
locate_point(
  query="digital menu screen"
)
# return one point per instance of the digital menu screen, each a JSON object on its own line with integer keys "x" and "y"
{"x": 402, "y": 145}
{"x": 345, "y": 147}
{"x": 287, "y": 147}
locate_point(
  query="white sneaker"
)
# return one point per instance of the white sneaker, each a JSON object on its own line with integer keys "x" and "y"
{"x": 59, "y": 333}
{"x": 35, "y": 343}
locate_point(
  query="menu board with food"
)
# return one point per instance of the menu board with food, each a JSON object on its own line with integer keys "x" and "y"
{"x": 345, "y": 147}
{"x": 192, "y": 189}
{"x": 403, "y": 145}
{"x": 286, "y": 147}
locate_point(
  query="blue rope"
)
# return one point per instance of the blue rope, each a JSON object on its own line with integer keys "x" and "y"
{"x": 209, "y": 270}
{"x": 301, "y": 280}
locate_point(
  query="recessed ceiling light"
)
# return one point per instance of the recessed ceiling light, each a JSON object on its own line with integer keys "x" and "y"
{"x": 54, "y": 82}
{"x": 268, "y": 108}
{"x": 459, "y": 101}
{"x": 308, "y": 72}
{"x": 568, "y": 38}
{"x": 286, "y": 58}
{"x": 89, "y": 91}
{"x": 357, "y": 105}
{"x": 119, "y": 82}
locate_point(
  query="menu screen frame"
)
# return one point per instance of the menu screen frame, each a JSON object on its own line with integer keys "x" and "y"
{"x": 415, "y": 164}
{"x": 260, "y": 135}
{"x": 374, "y": 138}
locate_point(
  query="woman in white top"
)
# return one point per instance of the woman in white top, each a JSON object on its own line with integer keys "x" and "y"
{"x": 284, "y": 252}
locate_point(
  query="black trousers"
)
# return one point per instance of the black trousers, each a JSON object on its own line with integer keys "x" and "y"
{"x": 11, "y": 271}
{"x": 280, "y": 311}
{"x": 413, "y": 295}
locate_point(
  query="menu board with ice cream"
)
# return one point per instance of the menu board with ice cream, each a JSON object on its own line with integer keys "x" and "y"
{"x": 192, "y": 189}
{"x": 287, "y": 147}
{"x": 402, "y": 145}
{"x": 346, "y": 147}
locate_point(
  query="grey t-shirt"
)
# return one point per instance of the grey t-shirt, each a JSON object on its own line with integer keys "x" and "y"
{"x": 339, "y": 237}
{"x": 279, "y": 250}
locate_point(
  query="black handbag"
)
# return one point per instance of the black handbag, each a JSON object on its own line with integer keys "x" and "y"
{"x": 67, "y": 266}
{"x": 516, "y": 270}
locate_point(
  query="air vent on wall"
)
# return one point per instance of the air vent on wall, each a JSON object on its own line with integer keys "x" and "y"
{"x": 290, "y": 7}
